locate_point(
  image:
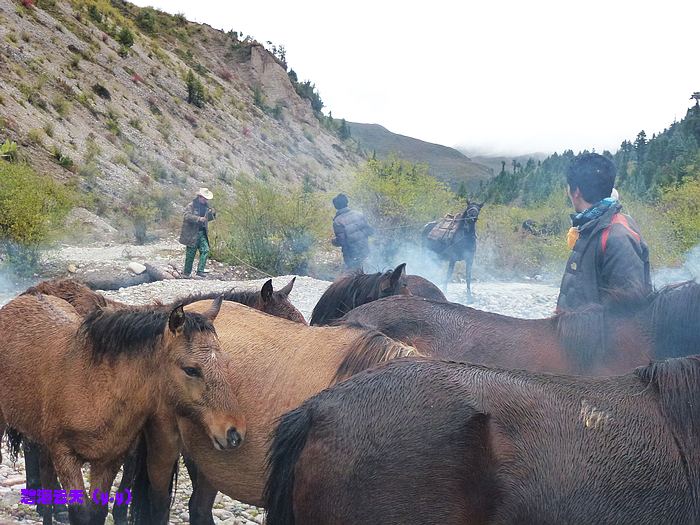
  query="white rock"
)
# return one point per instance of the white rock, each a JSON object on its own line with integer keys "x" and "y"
{"x": 136, "y": 268}
{"x": 72, "y": 268}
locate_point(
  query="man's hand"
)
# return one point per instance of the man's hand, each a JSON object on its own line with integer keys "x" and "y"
{"x": 202, "y": 219}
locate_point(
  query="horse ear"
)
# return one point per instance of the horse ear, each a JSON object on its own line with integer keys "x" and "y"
{"x": 398, "y": 272}
{"x": 266, "y": 292}
{"x": 176, "y": 321}
{"x": 214, "y": 308}
{"x": 287, "y": 289}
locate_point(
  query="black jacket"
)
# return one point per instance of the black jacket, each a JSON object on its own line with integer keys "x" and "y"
{"x": 351, "y": 233}
{"x": 609, "y": 254}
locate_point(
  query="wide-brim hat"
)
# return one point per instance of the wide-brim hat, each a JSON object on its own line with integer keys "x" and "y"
{"x": 204, "y": 192}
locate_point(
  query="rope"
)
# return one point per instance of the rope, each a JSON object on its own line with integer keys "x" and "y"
{"x": 251, "y": 266}
{"x": 416, "y": 224}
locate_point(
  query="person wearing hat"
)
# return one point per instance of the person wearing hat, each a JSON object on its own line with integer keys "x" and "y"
{"x": 351, "y": 233}
{"x": 608, "y": 255}
{"x": 195, "y": 229}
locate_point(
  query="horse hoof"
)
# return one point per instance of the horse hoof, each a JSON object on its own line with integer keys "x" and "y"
{"x": 61, "y": 516}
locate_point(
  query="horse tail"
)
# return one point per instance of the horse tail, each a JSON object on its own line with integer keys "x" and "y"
{"x": 370, "y": 348}
{"x": 289, "y": 440}
{"x": 140, "y": 509}
{"x": 14, "y": 442}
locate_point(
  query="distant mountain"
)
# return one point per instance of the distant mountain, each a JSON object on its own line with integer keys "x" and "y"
{"x": 446, "y": 164}
{"x": 494, "y": 162}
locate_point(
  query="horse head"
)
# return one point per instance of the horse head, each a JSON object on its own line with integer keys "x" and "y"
{"x": 277, "y": 302}
{"x": 196, "y": 376}
{"x": 471, "y": 213}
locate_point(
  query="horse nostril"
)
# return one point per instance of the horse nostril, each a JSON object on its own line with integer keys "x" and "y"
{"x": 233, "y": 437}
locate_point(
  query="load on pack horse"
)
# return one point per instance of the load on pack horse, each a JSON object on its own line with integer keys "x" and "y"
{"x": 454, "y": 238}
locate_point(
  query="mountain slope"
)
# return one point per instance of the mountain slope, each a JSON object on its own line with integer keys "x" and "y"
{"x": 86, "y": 107}
{"x": 446, "y": 164}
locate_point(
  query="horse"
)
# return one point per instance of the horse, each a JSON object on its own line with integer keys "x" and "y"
{"x": 66, "y": 383}
{"x": 278, "y": 365}
{"x": 461, "y": 247}
{"x": 599, "y": 340}
{"x": 452, "y": 443}
{"x": 356, "y": 288}
{"x": 85, "y": 300}
{"x": 422, "y": 287}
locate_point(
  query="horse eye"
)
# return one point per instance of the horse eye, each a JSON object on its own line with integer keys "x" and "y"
{"x": 192, "y": 372}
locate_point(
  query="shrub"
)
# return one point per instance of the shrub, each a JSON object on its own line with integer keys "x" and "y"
{"x": 146, "y": 20}
{"x": 681, "y": 206}
{"x": 63, "y": 160}
{"x": 273, "y": 229}
{"x": 28, "y": 217}
{"x": 195, "y": 90}
{"x": 8, "y": 150}
{"x": 125, "y": 37}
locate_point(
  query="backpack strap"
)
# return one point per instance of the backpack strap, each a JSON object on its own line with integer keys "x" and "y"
{"x": 618, "y": 218}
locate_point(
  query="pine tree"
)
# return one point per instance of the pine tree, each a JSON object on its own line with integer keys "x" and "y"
{"x": 195, "y": 90}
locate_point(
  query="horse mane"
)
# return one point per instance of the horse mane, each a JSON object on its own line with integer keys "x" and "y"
{"x": 344, "y": 294}
{"x": 673, "y": 317}
{"x": 677, "y": 382}
{"x": 244, "y": 297}
{"x": 133, "y": 331}
{"x": 368, "y": 349}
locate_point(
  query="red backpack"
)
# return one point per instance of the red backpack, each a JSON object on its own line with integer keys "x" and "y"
{"x": 618, "y": 218}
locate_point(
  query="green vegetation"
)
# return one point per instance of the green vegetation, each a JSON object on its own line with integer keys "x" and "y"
{"x": 8, "y": 150}
{"x": 31, "y": 208}
{"x": 306, "y": 90}
{"x": 195, "y": 90}
{"x": 271, "y": 228}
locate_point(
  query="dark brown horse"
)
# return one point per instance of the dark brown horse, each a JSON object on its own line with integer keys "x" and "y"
{"x": 420, "y": 441}
{"x": 461, "y": 247}
{"x": 85, "y": 388}
{"x": 422, "y": 287}
{"x": 596, "y": 341}
{"x": 84, "y": 299}
{"x": 351, "y": 290}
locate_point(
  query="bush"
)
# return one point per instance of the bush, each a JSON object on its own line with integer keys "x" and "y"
{"x": 275, "y": 230}
{"x": 681, "y": 206}
{"x": 125, "y": 37}
{"x": 31, "y": 208}
{"x": 144, "y": 209}
{"x": 195, "y": 90}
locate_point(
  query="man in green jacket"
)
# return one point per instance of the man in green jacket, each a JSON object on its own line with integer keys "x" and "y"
{"x": 195, "y": 229}
{"x": 608, "y": 252}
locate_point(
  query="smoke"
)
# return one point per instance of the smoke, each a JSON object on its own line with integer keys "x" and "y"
{"x": 689, "y": 271}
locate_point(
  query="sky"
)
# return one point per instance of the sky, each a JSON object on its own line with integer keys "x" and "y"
{"x": 497, "y": 76}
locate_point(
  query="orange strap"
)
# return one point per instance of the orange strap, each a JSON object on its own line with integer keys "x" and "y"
{"x": 618, "y": 218}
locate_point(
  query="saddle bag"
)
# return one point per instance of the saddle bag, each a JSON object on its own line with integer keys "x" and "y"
{"x": 446, "y": 228}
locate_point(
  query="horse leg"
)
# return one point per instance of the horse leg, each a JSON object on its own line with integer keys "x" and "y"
{"x": 68, "y": 468}
{"x": 101, "y": 478}
{"x": 163, "y": 451}
{"x": 203, "y": 496}
{"x": 119, "y": 512}
{"x": 448, "y": 276}
{"x": 469, "y": 261}
{"x": 34, "y": 453}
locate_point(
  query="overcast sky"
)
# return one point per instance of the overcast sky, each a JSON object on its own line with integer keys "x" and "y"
{"x": 505, "y": 76}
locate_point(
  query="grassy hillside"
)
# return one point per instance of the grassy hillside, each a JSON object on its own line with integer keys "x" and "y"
{"x": 446, "y": 164}
{"x": 119, "y": 101}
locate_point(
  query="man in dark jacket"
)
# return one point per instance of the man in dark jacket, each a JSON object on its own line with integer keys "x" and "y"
{"x": 195, "y": 229}
{"x": 351, "y": 233}
{"x": 608, "y": 252}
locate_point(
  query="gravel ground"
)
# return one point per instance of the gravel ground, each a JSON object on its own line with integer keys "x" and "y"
{"x": 529, "y": 300}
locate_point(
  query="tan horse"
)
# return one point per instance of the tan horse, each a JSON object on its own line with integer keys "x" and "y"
{"x": 279, "y": 364}
{"x": 84, "y": 391}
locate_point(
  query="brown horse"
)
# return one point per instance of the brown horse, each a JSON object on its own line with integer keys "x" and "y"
{"x": 278, "y": 365}
{"x": 595, "y": 341}
{"x": 85, "y": 388}
{"x": 420, "y": 441}
{"x": 422, "y": 287}
{"x": 354, "y": 289}
{"x": 84, "y": 300}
